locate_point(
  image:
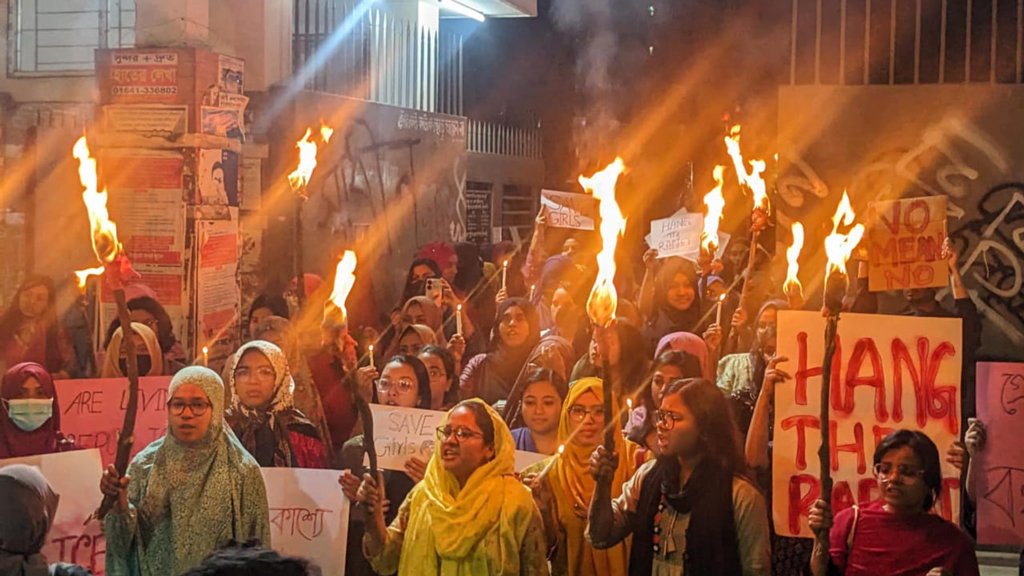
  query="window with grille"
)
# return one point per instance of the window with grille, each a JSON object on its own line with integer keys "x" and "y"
{"x": 59, "y": 36}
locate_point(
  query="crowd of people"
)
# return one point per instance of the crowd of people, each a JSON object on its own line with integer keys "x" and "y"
{"x": 508, "y": 353}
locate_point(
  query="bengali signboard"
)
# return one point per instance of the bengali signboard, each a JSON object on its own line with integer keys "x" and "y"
{"x": 889, "y": 372}
{"x": 999, "y": 468}
{"x": 308, "y": 516}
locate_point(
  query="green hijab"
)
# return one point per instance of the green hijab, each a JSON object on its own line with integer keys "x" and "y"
{"x": 188, "y": 500}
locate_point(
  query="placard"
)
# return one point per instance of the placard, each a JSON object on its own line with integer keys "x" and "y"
{"x": 999, "y": 468}
{"x": 677, "y": 235}
{"x": 400, "y": 433}
{"x": 75, "y": 478}
{"x": 889, "y": 372}
{"x": 905, "y": 244}
{"x": 92, "y": 412}
{"x": 308, "y": 516}
{"x": 569, "y": 209}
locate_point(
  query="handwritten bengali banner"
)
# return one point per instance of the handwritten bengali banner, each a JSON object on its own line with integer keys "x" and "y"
{"x": 92, "y": 412}
{"x": 889, "y": 372}
{"x": 308, "y": 516}
{"x": 75, "y": 477}
{"x": 999, "y": 468}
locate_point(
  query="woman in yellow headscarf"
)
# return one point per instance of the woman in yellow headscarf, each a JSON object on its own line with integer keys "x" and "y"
{"x": 566, "y": 486}
{"x": 468, "y": 516}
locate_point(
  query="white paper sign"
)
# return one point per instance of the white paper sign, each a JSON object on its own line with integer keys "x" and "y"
{"x": 569, "y": 210}
{"x": 75, "y": 477}
{"x": 399, "y": 433}
{"x": 677, "y": 235}
{"x": 308, "y": 515}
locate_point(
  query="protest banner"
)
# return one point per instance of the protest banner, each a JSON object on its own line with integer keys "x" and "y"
{"x": 308, "y": 516}
{"x": 526, "y": 459}
{"x": 677, "y": 235}
{"x": 92, "y": 412}
{"x": 905, "y": 244}
{"x": 999, "y": 467}
{"x": 889, "y": 372}
{"x": 75, "y": 478}
{"x": 569, "y": 209}
{"x": 400, "y": 433}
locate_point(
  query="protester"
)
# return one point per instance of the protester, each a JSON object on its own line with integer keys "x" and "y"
{"x": 30, "y": 332}
{"x": 440, "y": 364}
{"x": 252, "y": 560}
{"x": 444, "y": 256}
{"x": 897, "y": 535}
{"x": 490, "y": 376}
{"x": 565, "y": 490}
{"x": 263, "y": 307}
{"x": 420, "y": 270}
{"x": 188, "y": 493}
{"x": 670, "y": 366}
{"x": 691, "y": 344}
{"x": 262, "y": 411}
{"x": 148, "y": 356}
{"x": 741, "y": 376}
{"x": 469, "y": 515}
{"x": 277, "y": 330}
{"x": 28, "y": 507}
{"x": 565, "y": 315}
{"x": 332, "y": 368}
{"x": 423, "y": 310}
{"x": 691, "y": 509}
{"x": 144, "y": 308}
{"x": 627, "y": 359}
{"x": 551, "y": 353}
{"x": 30, "y": 413}
{"x": 543, "y": 392}
{"x": 669, "y": 300}
{"x": 412, "y": 339}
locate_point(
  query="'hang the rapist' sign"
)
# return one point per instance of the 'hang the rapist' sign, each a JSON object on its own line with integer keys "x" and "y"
{"x": 889, "y": 372}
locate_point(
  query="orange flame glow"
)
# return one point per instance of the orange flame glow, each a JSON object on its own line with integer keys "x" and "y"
{"x": 344, "y": 279}
{"x": 839, "y": 247}
{"x": 753, "y": 179}
{"x": 715, "y": 203}
{"x": 299, "y": 178}
{"x": 793, "y": 257}
{"x": 103, "y": 230}
{"x": 603, "y": 300}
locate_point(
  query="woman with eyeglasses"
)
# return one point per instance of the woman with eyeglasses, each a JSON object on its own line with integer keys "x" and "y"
{"x": 188, "y": 493}
{"x": 403, "y": 382}
{"x": 563, "y": 486}
{"x": 897, "y": 535}
{"x": 469, "y": 515}
{"x": 262, "y": 410}
{"x": 690, "y": 511}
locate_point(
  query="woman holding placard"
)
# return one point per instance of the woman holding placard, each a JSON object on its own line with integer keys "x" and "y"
{"x": 30, "y": 413}
{"x": 262, "y": 411}
{"x": 192, "y": 491}
{"x": 469, "y": 515}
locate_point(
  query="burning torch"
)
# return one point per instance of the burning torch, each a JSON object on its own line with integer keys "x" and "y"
{"x": 298, "y": 180}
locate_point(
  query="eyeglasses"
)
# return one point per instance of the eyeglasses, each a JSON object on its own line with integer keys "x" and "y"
{"x": 887, "y": 470}
{"x": 461, "y": 433}
{"x": 263, "y": 373}
{"x": 579, "y": 413}
{"x": 403, "y": 386}
{"x": 667, "y": 419}
{"x": 177, "y": 407}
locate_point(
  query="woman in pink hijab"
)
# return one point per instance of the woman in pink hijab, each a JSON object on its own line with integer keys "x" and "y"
{"x": 691, "y": 344}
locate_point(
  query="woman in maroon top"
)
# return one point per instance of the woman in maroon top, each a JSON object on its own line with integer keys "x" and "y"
{"x": 29, "y": 330}
{"x": 29, "y": 413}
{"x": 262, "y": 412}
{"x": 897, "y": 536}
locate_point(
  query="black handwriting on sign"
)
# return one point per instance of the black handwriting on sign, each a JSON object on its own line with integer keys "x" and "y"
{"x": 1007, "y": 491}
{"x": 304, "y": 522}
{"x": 1012, "y": 395}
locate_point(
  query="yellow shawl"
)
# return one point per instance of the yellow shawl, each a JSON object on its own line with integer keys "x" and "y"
{"x": 573, "y": 487}
{"x": 476, "y": 530}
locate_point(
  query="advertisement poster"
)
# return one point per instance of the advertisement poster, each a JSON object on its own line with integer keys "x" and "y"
{"x": 144, "y": 76}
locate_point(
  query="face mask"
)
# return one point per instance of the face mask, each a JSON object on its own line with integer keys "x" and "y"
{"x": 145, "y": 364}
{"x": 30, "y": 414}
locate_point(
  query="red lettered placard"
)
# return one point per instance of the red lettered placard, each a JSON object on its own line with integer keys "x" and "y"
{"x": 92, "y": 412}
{"x": 905, "y": 244}
{"x": 889, "y": 372}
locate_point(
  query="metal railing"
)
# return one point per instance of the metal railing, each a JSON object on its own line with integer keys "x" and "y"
{"x": 54, "y": 36}
{"x": 490, "y": 138}
{"x": 906, "y": 41}
{"x": 373, "y": 55}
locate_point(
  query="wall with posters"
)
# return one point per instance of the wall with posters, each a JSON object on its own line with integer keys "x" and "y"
{"x": 390, "y": 180}
{"x": 887, "y": 142}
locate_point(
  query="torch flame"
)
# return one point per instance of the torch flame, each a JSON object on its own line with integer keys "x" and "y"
{"x": 344, "y": 279}
{"x": 715, "y": 202}
{"x": 752, "y": 180}
{"x": 793, "y": 257}
{"x": 839, "y": 247}
{"x": 103, "y": 230}
{"x": 299, "y": 178}
{"x": 603, "y": 300}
